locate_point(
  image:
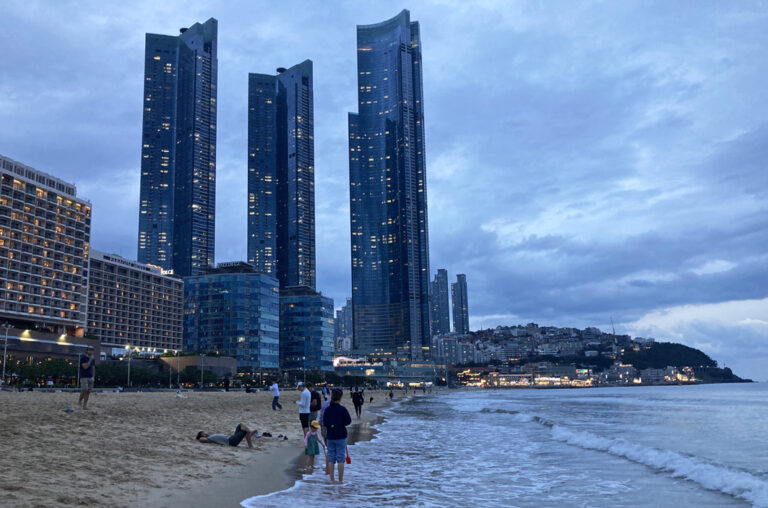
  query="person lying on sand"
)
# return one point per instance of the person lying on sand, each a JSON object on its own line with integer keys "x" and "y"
{"x": 241, "y": 431}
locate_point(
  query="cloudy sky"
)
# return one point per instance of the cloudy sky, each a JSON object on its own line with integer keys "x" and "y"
{"x": 585, "y": 160}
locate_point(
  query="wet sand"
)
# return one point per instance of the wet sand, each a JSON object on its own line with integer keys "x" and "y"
{"x": 267, "y": 473}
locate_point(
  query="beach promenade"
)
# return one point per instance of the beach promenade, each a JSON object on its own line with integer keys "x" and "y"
{"x": 132, "y": 449}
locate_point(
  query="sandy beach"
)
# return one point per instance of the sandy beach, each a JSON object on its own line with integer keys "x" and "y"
{"x": 133, "y": 449}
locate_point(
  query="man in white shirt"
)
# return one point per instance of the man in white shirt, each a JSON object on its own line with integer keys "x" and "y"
{"x": 303, "y": 403}
{"x": 275, "y": 396}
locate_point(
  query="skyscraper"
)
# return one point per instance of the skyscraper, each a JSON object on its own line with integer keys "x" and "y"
{"x": 440, "y": 304}
{"x": 178, "y": 154}
{"x": 281, "y": 175}
{"x": 460, "y": 305}
{"x": 388, "y": 193}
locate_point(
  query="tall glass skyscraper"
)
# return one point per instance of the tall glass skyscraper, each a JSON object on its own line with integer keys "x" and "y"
{"x": 460, "y": 305}
{"x": 440, "y": 304}
{"x": 388, "y": 193}
{"x": 178, "y": 154}
{"x": 281, "y": 175}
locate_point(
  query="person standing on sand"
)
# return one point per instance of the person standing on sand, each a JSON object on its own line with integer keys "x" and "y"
{"x": 275, "y": 396}
{"x": 87, "y": 375}
{"x": 315, "y": 402}
{"x": 335, "y": 420}
{"x": 303, "y": 402}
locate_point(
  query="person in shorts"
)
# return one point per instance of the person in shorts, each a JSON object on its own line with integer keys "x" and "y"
{"x": 241, "y": 432}
{"x": 335, "y": 419}
{"x": 87, "y": 374}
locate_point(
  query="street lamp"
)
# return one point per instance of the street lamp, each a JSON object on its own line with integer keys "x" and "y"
{"x": 128, "y": 349}
{"x": 7, "y": 327}
{"x": 178, "y": 369}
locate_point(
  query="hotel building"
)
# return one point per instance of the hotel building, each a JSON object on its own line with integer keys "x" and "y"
{"x": 45, "y": 232}
{"x": 133, "y": 304}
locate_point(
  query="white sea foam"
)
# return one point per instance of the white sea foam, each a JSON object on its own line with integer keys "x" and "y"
{"x": 735, "y": 483}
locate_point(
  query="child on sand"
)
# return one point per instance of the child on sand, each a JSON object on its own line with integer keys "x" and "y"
{"x": 311, "y": 448}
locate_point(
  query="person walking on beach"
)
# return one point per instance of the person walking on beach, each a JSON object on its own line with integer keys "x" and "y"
{"x": 303, "y": 402}
{"x": 311, "y": 448}
{"x": 241, "y": 431}
{"x": 326, "y": 393}
{"x": 315, "y": 402}
{"x": 358, "y": 399}
{"x": 87, "y": 375}
{"x": 391, "y": 394}
{"x": 335, "y": 420}
{"x": 275, "y": 396}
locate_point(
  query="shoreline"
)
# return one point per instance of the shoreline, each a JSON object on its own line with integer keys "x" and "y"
{"x": 272, "y": 471}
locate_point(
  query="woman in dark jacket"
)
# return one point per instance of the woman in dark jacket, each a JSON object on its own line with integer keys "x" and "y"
{"x": 335, "y": 419}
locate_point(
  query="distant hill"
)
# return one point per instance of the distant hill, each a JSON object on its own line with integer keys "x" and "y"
{"x": 664, "y": 354}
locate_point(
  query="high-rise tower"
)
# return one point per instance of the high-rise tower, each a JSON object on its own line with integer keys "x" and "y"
{"x": 460, "y": 305}
{"x": 178, "y": 154}
{"x": 440, "y": 304}
{"x": 388, "y": 193}
{"x": 281, "y": 175}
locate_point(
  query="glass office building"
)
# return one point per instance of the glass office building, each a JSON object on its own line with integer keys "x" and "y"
{"x": 388, "y": 193}
{"x": 281, "y": 175}
{"x": 178, "y": 154}
{"x": 306, "y": 329}
{"x": 234, "y": 310}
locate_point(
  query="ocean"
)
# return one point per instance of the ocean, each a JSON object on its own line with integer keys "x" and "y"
{"x": 702, "y": 446}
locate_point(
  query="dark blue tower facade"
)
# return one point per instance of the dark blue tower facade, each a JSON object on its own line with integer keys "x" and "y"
{"x": 388, "y": 194}
{"x": 178, "y": 164}
{"x": 281, "y": 175}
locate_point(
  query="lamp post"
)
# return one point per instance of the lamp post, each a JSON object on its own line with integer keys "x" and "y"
{"x": 202, "y": 370}
{"x": 7, "y": 327}
{"x": 178, "y": 369}
{"x": 128, "y": 349}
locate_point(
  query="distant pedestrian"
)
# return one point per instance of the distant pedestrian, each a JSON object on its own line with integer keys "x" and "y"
{"x": 391, "y": 394}
{"x": 303, "y": 403}
{"x": 315, "y": 402}
{"x": 87, "y": 375}
{"x": 358, "y": 398}
{"x": 335, "y": 420}
{"x": 226, "y": 384}
{"x": 275, "y": 396}
{"x": 326, "y": 392}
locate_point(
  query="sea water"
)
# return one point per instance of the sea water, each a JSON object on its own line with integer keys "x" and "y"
{"x": 703, "y": 446}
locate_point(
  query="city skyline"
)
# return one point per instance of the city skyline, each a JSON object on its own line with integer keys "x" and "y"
{"x": 588, "y": 180}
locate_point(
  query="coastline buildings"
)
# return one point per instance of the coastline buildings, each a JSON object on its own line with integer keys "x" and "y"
{"x": 45, "y": 232}
{"x": 343, "y": 332}
{"x": 234, "y": 310}
{"x": 306, "y": 329}
{"x": 281, "y": 175}
{"x": 178, "y": 155}
{"x": 132, "y": 304}
{"x": 440, "y": 304}
{"x": 460, "y": 305}
{"x": 388, "y": 194}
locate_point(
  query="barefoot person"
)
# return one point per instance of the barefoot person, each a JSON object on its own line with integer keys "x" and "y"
{"x": 311, "y": 441}
{"x": 335, "y": 419}
{"x": 87, "y": 374}
{"x": 241, "y": 432}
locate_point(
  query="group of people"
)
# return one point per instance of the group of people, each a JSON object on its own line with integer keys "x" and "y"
{"x": 323, "y": 424}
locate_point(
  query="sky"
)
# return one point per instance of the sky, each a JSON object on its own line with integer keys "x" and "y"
{"x": 587, "y": 162}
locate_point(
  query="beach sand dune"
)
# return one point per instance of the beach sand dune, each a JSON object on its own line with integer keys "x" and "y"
{"x": 129, "y": 444}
